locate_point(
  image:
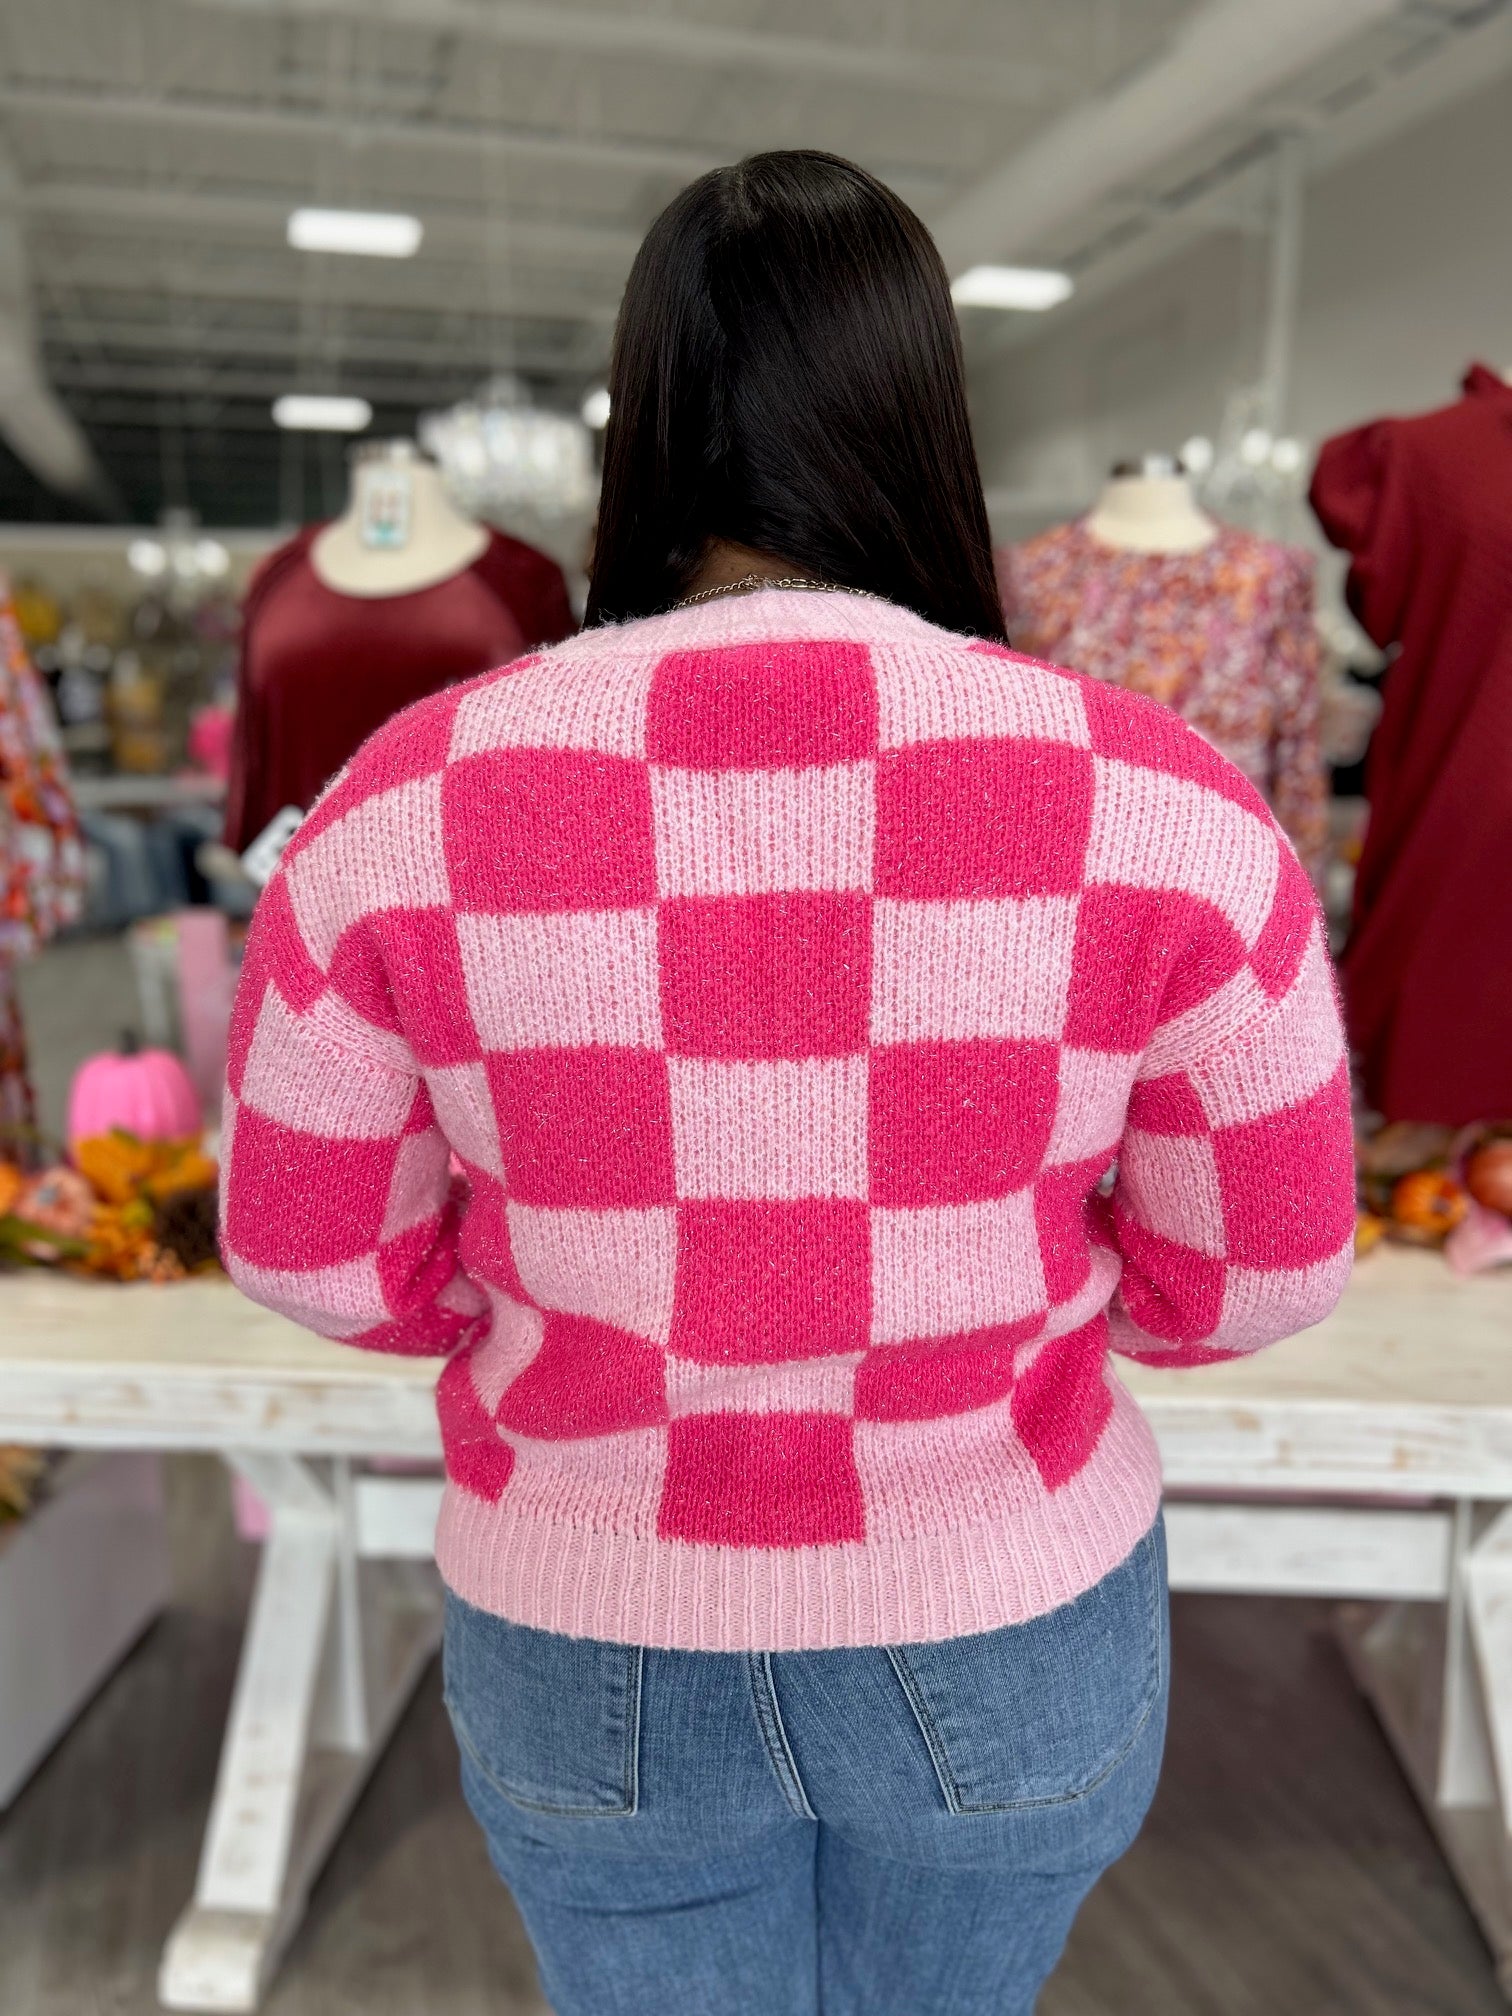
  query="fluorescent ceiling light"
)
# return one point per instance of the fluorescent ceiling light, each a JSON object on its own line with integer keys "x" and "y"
{"x": 1032, "y": 287}
{"x": 595, "y": 408}
{"x": 321, "y": 414}
{"x": 379, "y": 234}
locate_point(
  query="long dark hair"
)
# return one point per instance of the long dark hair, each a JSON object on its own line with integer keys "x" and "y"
{"x": 787, "y": 376}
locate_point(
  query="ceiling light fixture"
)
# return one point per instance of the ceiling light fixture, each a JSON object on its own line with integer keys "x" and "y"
{"x": 1028, "y": 287}
{"x": 373, "y": 234}
{"x": 321, "y": 413}
{"x": 595, "y": 408}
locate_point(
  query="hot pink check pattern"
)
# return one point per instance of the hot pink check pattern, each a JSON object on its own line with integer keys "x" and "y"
{"x": 714, "y": 1034}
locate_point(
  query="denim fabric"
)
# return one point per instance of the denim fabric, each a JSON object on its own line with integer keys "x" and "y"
{"x": 899, "y": 1831}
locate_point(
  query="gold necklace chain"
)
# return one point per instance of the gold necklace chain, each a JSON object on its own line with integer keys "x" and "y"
{"x": 748, "y": 581}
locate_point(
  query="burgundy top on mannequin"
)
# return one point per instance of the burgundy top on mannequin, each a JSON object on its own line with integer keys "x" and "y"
{"x": 321, "y": 670}
{"x": 1424, "y": 506}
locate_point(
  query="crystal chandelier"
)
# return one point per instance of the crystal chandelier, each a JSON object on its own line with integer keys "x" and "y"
{"x": 506, "y": 459}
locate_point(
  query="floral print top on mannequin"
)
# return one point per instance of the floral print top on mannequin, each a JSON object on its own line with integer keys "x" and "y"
{"x": 1224, "y": 635}
{"x": 41, "y": 859}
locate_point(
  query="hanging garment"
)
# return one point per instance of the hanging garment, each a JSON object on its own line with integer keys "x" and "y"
{"x": 1224, "y": 635}
{"x": 321, "y": 670}
{"x": 41, "y": 862}
{"x": 1424, "y": 507}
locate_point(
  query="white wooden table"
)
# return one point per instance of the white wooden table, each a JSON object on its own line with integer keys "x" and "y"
{"x": 1369, "y": 1459}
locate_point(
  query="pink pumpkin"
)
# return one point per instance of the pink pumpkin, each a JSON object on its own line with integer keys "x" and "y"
{"x": 146, "y": 1092}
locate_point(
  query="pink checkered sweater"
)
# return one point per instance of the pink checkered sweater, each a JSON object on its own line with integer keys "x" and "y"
{"x": 715, "y": 1036}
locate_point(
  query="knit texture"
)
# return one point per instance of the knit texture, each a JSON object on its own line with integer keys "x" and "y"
{"x": 716, "y": 1034}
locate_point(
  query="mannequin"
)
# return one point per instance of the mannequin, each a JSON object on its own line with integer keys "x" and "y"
{"x": 400, "y": 532}
{"x": 1147, "y": 506}
{"x": 344, "y": 625}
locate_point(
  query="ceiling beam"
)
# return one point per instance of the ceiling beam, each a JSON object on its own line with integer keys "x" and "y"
{"x": 1224, "y": 56}
{"x": 688, "y": 43}
{"x": 559, "y": 241}
{"x": 86, "y": 335}
{"x": 473, "y": 139}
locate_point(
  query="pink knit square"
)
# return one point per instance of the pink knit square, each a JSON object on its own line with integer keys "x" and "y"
{"x": 995, "y": 967}
{"x": 267, "y": 1219}
{"x": 1285, "y": 1203}
{"x": 944, "y": 1268}
{"x": 1092, "y": 1096}
{"x": 588, "y": 1127}
{"x": 618, "y": 1266}
{"x": 1282, "y": 945}
{"x": 770, "y": 1127}
{"x": 1140, "y": 730}
{"x": 760, "y": 1283}
{"x": 420, "y": 946}
{"x": 557, "y": 702}
{"x": 800, "y": 1386}
{"x": 537, "y": 979}
{"x": 1062, "y": 1200}
{"x": 1142, "y": 956}
{"x": 749, "y": 832}
{"x": 1168, "y": 834}
{"x": 549, "y": 829}
{"x": 956, "y": 1121}
{"x": 1169, "y": 1289}
{"x": 353, "y": 867}
{"x": 1172, "y": 1181}
{"x": 761, "y": 1480}
{"x": 1167, "y": 1105}
{"x": 465, "y": 1114}
{"x": 931, "y": 691}
{"x": 477, "y": 1456}
{"x": 983, "y": 818}
{"x": 766, "y": 976}
{"x": 943, "y": 1375}
{"x": 588, "y": 1378}
{"x": 413, "y": 745}
{"x": 1061, "y": 1402}
{"x": 287, "y": 1076}
{"x": 762, "y": 706}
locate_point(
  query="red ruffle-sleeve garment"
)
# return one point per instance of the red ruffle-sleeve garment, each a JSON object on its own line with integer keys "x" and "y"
{"x": 1424, "y": 507}
{"x": 320, "y": 671}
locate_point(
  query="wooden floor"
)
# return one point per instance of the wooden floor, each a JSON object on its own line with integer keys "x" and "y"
{"x": 1284, "y": 1872}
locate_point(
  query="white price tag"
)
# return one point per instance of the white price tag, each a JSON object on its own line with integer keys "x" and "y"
{"x": 263, "y": 856}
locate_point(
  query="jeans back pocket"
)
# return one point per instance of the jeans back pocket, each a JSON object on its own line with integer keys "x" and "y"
{"x": 1038, "y": 1714}
{"x": 552, "y": 1723}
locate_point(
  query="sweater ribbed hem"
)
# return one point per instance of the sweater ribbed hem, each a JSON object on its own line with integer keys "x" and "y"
{"x": 891, "y": 1589}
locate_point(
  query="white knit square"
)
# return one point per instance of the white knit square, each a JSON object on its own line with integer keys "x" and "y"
{"x": 995, "y": 967}
{"x": 418, "y": 1187}
{"x": 385, "y": 854}
{"x": 1092, "y": 1098}
{"x": 788, "y": 1127}
{"x": 951, "y": 1267}
{"x": 1171, "y": 1183}
{"x": 293, "y": 1076}
{"x": 560, "y": 702}
{"x": 465, "y": 1113}
{"x": 747, "y": 832}
{"x": 930, "y": 692}
{"x": 565, "y": 978}
{"x": 804, "y": 1386}
{"x": 616, "y": 1265}
{"x": 1151, "y": 831}
{"x": 1288, "y": 1054}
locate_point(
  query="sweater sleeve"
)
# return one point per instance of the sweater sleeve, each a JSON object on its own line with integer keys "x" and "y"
{"x": 1362, "y": 494}
{"x": 1233, "y": 1208}
{"x": 338, "y": 1208}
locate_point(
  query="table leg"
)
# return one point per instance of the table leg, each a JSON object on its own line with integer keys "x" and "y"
{"x": 332, "y": 1651}
{"x": 1440, "y": 1678}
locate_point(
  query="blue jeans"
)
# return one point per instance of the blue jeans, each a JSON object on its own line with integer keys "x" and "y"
{"x": 908, "y": 1829}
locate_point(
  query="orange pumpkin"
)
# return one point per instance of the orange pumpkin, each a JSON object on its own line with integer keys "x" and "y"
{"x": 1427, "y": 1205}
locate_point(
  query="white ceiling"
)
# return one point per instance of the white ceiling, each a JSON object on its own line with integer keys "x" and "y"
{"x": 152, "y": 149}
